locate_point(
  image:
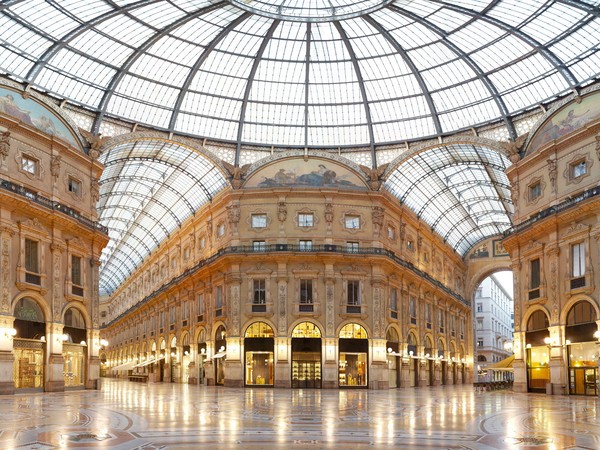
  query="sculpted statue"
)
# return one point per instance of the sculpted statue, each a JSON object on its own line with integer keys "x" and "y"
{"x": 514, "y": 148}
{"x": 4, "y": 144}
{"x": 95, "y": 142}
{"x": 375, "y": 175}
{"x": 236, "y": 174}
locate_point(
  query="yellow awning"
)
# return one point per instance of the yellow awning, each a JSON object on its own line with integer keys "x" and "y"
{"x": 506, "y": 364}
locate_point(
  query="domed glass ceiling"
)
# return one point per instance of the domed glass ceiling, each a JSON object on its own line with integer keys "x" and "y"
{"x": 287, "y": 73}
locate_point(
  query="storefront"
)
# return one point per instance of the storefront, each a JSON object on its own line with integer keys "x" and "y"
{"x": 306, "y": 356}
{"x": 29, "y": 345}
{"x": 74, "y": 349}
{"x": 353, "y": 360}
{"x": 219, "y": 356}
{"x": 582, "y": 348}
{"x": 258, "y": 355}
{"x": 394, "y": 358}
{"x": 413, "y": 367}
{"x": 538, "y": 352}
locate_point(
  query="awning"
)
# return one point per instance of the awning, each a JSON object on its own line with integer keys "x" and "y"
{"x": 125, "y": 366}
{"x": 506, "y": 364}
{"x": 219, "y": 355}
{"x": 150, "y": 361}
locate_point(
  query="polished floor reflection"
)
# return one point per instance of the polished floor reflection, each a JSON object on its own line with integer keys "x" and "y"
{"x": 126, "y": 415}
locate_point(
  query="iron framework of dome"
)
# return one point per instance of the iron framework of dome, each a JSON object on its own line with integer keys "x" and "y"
{"x": 400, "y": 70}
{"x": 316, "y": 74}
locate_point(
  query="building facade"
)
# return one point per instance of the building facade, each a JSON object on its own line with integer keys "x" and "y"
{"x": 554, "y": 248}
{"x": 493, "y": 313}
{"x": 50, "y": 244}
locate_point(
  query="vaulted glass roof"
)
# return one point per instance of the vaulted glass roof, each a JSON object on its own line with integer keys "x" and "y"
{"x": 289, "y": 73}
{"x": 460, "y": 190}
{"x": 148, "y": 189}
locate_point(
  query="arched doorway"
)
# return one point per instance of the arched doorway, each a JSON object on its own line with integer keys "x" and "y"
{"x": 413, "y": 368}
{"x": 306, "y": 356}
{"x": 74, "y": 349}
{"x": 582, "y": 348}
{"x": 201, "y": 355}
{"x": 394, "y": 358}
{"x": 29, "y": 345}
{"x": 444, "y": 362}
{"x": 259, "y": 345}
{"x": 353, "y": 356}
{"x": 220, "y": 355}
{"x": 428, "y": 350}
{"x": 538, "y": 354}
{"x": 174, "y": 361}
{"x": 186, "y": 358}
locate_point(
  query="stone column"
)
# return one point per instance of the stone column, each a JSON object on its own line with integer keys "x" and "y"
{"x": 7, "y": 385}
{"x": 93, "y": 363}
{"x": 234, "y": 371}
{"x": 55, "y": 367}
{"x": 378, "y": 376}
{"x": 330, "y": 367}
{"x": 558, "y": 370}
{"x": 520, "y": 361}
{"x": 57, "y": 287}
{"x": 283, "y": 353}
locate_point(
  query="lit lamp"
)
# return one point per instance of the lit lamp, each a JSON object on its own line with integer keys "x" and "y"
{"x": 9, "y": 333}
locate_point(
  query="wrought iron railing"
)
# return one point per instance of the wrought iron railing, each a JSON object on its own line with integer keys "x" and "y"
{"x": 276, "y": 248}
{"x": 51, "y": 204}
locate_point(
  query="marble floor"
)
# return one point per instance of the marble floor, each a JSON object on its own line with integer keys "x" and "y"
{"x": 126, "y": 415}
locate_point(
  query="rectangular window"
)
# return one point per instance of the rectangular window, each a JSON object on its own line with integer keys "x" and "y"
{"x": 410, "y": 244}
{"x": 441, "y": 320}
{"x": 479, "y": 307}
{"x": 391, "y": 233}
{"x": 184, "y": 311}
{"x": 32, "y": 263}
{"x": 352, "y": 247}
{"x": 172, "y": 315}
{"x": 578, "y": 255}
{"x": 479, "y": 342}
{"x": 578, "y": 169}
{"x": 259, "y": 220}
{"x": 306, "y": 291}
{"x": 479, "y": 324}
{"x": 74, "y": 186}
{"x": 352, "y": 222}
{"x": 219, "y": 297}
{"x": 29, "y": 164}
{"x": 221, "y": 229}
{"x": 535, "y": 190}
{"x": 353, "y": 292}
{"x": 305, "y": 246}
{"x": 394, "y": 303}
{"x": 200, "y": 307}
{"x": 76, "y": 270}
{"x": 535, "y": 273}
{"x": 259, "y": 297}
{"x": 259, "y": 246}
{"x": 306, "y": 220}
{"x": 428, "y": 316}
{"x": 412, "y": 310}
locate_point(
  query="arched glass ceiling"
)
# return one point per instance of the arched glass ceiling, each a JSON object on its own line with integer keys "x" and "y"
{"x": 460, "y": 190}
{"x": 408, "y": 70}
{"x": 148, "y": 189}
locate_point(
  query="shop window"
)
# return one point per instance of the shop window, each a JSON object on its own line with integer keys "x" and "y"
{"x": 259, "y": 246}
{"x": 30, "y": 164}
{"x": 352, "y": 247}
{"x": 259, "y": 295}
{"x": 306, "y": 220}
{"x": 352, "y": 222}
{"x": 259, "y": 220}
{"x": 306, "y": 295}
{"x": 74, "y": 186}
{"x": 353, "y": 296}
{"x": 305, "y": 246}
{"x": 394, "y": 303}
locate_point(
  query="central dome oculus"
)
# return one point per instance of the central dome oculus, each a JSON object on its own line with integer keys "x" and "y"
{"x": 311, "y": 10}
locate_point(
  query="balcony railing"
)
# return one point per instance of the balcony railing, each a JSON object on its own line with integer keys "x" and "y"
{"x": 51, "y": 204}
{"x": 291, "y": 248}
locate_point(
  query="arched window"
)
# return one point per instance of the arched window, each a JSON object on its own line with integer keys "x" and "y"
{"x": 353, "y": 331}
{"x": 392, "y": 335}
{"x": 481, "y": 358}
{"x": 537, "y": 321}
{"x": 306, "y": 330}
{"x": 27, "y": 309}
{"x": 259, "y": 330}
{"x": 581, "y": 312}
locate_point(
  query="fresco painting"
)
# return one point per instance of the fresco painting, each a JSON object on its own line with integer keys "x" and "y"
{"x": 32, "y": 113}
{"x": 570, "y": 118}
{"x": 310, "y": 173}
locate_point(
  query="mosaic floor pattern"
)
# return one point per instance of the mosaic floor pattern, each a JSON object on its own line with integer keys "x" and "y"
{"x": 125, "y": 415}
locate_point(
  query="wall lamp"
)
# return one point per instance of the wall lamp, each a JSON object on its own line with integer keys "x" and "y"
{"x": 62, "y": 338}
{"x": 9, "y": 333}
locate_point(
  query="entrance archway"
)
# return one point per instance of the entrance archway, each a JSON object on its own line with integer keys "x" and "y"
{"x": 306, "y": 356}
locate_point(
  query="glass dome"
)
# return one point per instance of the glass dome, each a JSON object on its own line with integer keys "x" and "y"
{"x": 292, "y": 74}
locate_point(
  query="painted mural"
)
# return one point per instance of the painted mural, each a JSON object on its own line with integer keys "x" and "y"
{"x": 568, "y": 119}
{"x": 300, "y": 173}
{"x": 32, "y": 113}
